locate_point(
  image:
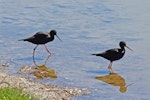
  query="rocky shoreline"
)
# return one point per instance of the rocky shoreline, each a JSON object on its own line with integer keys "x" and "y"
{"x": 40, "y": 90}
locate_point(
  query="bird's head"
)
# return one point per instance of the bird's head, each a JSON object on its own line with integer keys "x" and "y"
{"x": 123, "y": 44}
{"x": 53, "y": 32}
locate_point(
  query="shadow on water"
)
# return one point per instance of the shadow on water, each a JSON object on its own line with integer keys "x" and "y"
{"x": 39, "y": 71}
{"x": 114, "y": 79}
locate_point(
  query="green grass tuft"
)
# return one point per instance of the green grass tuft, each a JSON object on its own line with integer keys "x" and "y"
{"x": 9, "y": 93}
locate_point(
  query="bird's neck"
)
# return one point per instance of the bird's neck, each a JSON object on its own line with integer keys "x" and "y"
{"x": 123, "y": 50}
{"x": 51, "y": 38}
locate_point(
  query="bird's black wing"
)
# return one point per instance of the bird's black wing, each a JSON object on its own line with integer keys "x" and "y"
{"x": 37, "y": 36}
{"x": 111, "y": 52}
{"x": 108, "y": 52}
{"x": 41, "y": 35}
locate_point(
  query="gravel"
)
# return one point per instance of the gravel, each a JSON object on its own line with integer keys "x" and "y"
{"x": 40, "y": 90}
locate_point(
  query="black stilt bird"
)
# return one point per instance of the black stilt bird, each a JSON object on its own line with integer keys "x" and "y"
{"x": 114, "y": 54}
{"x": 41, "y": 38}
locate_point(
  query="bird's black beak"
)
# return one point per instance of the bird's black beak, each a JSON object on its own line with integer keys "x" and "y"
{"x": 58, "y": 38}
{"x": 129, "y": 48}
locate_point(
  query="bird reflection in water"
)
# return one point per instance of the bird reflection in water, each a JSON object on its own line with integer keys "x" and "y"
{"x": 36, "y": 65}
{"x": 39, "y": 71}
{"x": 114, "y": 79}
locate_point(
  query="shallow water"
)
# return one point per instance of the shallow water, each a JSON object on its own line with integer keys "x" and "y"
{"x": 85, "y": 28}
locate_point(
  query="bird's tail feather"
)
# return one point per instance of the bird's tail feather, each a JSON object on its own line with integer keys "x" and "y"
{"x": 22, "y": 40}
{"x": 97, "y": 54}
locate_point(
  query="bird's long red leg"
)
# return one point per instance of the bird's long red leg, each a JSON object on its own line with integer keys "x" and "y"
{"x": 110, "y": 67}
{"x": 47, "y": 50}
{"x": 47, "y": 59}
{"x": 33, "y": 54}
